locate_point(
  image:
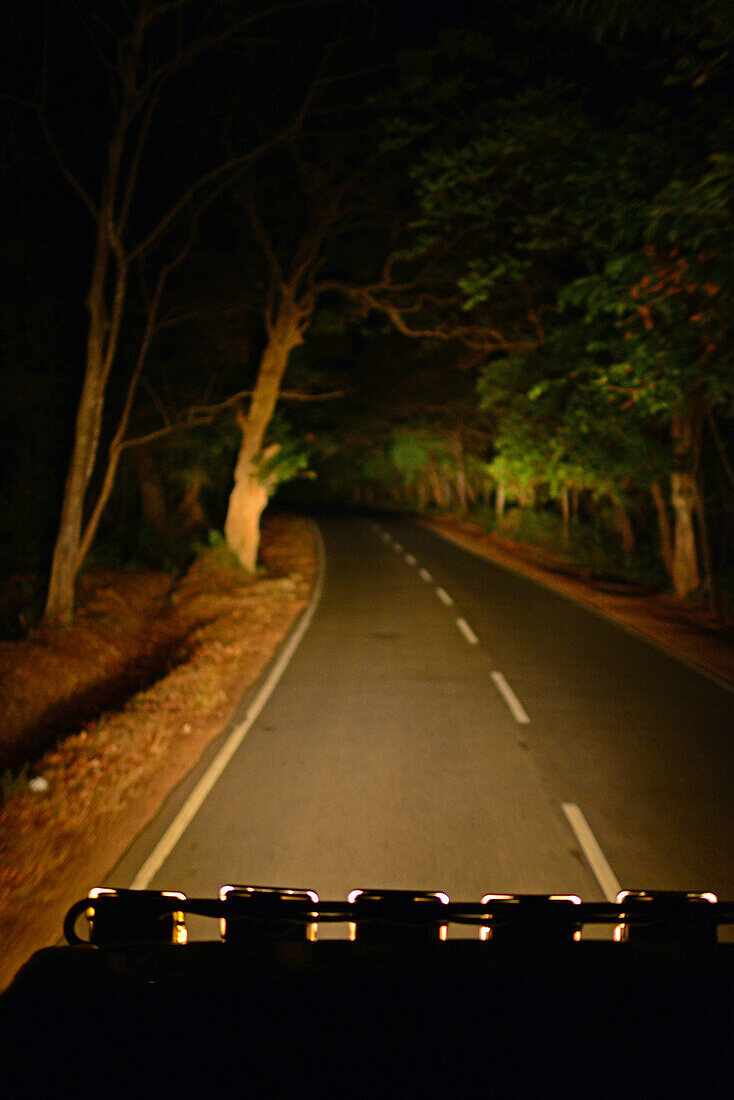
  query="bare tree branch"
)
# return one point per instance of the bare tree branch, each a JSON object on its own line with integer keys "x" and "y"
{"x": 199, "y": 416}
{"x": 116, "y": 444}
{"x": 263, "y": 239}
{"x": 201, "y": 315}
{"x": 66, "y": 172}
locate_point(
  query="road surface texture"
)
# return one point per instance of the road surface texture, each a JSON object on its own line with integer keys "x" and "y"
{"x": 445, "y": 724}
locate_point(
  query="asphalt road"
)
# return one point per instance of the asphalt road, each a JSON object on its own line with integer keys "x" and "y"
{"x": 445, "y": 724}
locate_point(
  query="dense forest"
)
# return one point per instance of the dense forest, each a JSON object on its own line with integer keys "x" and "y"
{"x": 374, "y": 255}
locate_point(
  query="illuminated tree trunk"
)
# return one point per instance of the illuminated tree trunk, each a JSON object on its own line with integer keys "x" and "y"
{"x": 709, "y": 585}
{"x": 437, "y": 488}
{"x": 250, "y": 492}
{"x": 664, "y": 527}
{"x": 626, "y": 530}
{"x": 142, "y": 50}
{"x": 686, "y": 576}
{"x": 104, "y": 324}
{"x": 566, "y": 516}
{"x": 246, "y": 504}
{"x": 460, "y": 479}
{"x": 60, "y": 597}
{"x": 684, "y": 499}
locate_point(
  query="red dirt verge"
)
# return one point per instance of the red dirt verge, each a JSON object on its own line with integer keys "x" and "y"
{"x": 103, "y": 782}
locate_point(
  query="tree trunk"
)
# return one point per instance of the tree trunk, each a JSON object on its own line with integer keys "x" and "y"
{"x": 626, "y": 530}
{"x": 457, "y": 447}
{"x": 65, "y": 563}
{"x": 249, "y": 495}
{"x": 152, "y": 495}
{"x": 190, "y": 518}
{"x": 703, "y": 532}
{"x": 499, "y": 502}
{"x": 246, "y": 505}
{"x": 685, "y": 572}
{"x": 664, "y": 527}
{"x": 102, "y": 336}
{"x": 683, "y": 497}
{"x": 566, "y": 516}
{"x": 436, "y": 487}
{"x": 461, "y": 490}
{"x": 528, "y": 496}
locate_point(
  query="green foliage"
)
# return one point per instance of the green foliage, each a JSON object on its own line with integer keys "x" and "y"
{"x": 217, "y": 550}
{"x": 520, "y": 193}
{"x": 285, "y": 455}
{"x": 413, "y": 451}
{"x": 595, "y": 236}
{"x": 701, "y": 32}
{"x": 589, "y": 543}
{"x": 659, "y": 318}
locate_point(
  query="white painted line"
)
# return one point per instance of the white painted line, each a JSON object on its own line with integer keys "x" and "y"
{"x": 467, "y": 631}
{"x": 518, "y": 711}
{"x": 425, "y": 575}
{"x": 589, "y": 845}
{"x": 386, "y": 536}
{"x": 444, "y": 596}
{"x": 397, "y": 547}
{"x": 409, "y": 559}
{"x": 188, "y": 811}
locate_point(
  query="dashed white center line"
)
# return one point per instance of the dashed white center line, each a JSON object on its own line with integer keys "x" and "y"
{"x": 409, "y": 559}
{"x": 467, "y": 631}
{"x": 444, "y": 597}
{"x": 590, "y": 846}
{"x": 385, "y": 536}
{"x": 397, "y": 548}
{"x": 425, "y": 575}
{"x": 518, "y": 711}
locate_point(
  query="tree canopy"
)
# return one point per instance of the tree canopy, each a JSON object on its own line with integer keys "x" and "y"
{"x": 504, "y": 237}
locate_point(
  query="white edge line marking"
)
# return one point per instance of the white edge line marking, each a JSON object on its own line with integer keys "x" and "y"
{"x": 444, "y": 596}
{"x": 409, "y": 559}
{"x": 467, "y": 631}
{"x": 425, "y": 575}
{"x": 188, "y": 811}
{"x": 595, "y": 857}
{"x": 518, "y": 711}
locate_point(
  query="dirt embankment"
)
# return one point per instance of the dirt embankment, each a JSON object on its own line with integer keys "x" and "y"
{"x": 123, "y": 638}
{"x": 215, "y": 630}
